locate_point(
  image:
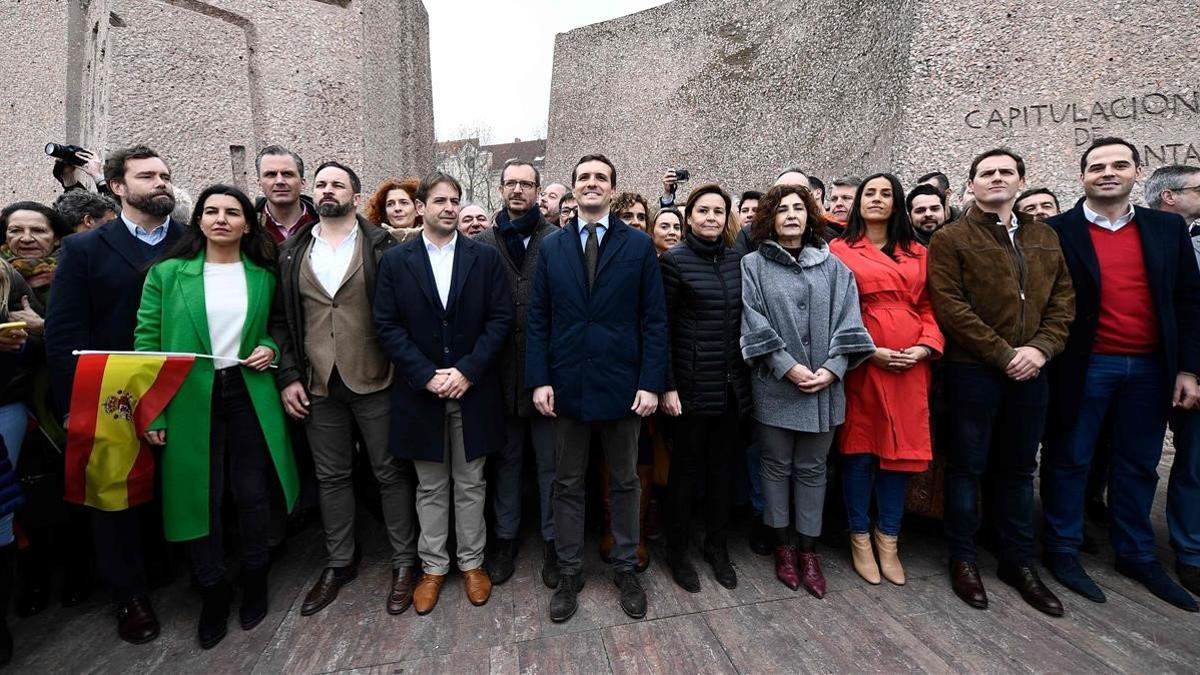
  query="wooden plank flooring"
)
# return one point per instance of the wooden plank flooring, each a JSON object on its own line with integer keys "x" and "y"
{"x": 761, "y": 627}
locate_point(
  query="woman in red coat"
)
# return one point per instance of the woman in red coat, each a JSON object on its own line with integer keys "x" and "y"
{"x": 886, "y": 437}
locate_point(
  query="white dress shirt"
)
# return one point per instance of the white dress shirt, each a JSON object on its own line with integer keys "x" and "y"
{"x": 1103, "y": 221}
{"x": 329, "y": 263}
{"x": 225, "y": 305}
{"x": 441, "y": 259}
{"x": 1012, "y": 229}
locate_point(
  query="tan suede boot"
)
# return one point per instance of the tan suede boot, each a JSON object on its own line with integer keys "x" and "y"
{"x": 864, "y": 557}
{"x": 889, "y": 558}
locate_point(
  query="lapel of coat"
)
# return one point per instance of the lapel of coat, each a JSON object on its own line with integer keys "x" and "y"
{"x": 417, "y": 261}
{"x": 614, "y": 239}
{"x": 1154, "y": 244}
{"x": 256, "y": 296}
{"x": 191, "y": 289}
{"x": 1073, "y": 232}
{"x": 464, "y": 259}
{"x": 577, "y": 247}
{"x": 115, "y": 234}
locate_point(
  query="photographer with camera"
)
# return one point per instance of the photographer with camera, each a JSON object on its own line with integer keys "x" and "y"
{"x": 73, "y": 165}
{"x": 671, "y": 180}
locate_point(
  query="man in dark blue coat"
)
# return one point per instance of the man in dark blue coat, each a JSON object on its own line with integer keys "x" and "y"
{"x": 1132, "y": 354}
{"x": 596, "y": 360}
{"x": 97, "y": 289}
{"x": 443, "y": 312}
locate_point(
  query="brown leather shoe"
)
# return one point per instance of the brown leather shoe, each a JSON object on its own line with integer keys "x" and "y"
{"x": 326, "y": 589}
{"x": 401, "y": 595}
{"x": 425, "y": 595}
{"x": 964, "y": 578}
{"x": 479, "y": 586}
{"x": 136, "y": 622}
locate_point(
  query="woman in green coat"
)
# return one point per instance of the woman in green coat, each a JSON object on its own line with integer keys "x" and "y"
{"x": 212, "y": 295}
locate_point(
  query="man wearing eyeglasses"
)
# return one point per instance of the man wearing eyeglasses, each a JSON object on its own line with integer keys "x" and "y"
{"x": 567, "y": 209}
{"x": 1176, "y": 189}
{"x": 518, "y": 233}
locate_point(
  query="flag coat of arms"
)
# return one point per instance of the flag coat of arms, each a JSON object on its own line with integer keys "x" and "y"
{"x": 114, "y": 399}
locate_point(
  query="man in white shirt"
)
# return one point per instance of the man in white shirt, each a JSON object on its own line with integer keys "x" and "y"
{"x": 334, "y": 377}
{"x": 443, "y": 313}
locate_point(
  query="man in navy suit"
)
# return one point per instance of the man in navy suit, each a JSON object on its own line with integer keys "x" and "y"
{"x": 596, "y": 347}
{"x": 1132, "y": 354}
{"x": 443, "y": 313}
{"x": 97, "y": 289}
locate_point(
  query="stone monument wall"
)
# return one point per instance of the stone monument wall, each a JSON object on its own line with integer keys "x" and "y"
{"x": 209, "y": 82}
{"x": 735, "y": 91}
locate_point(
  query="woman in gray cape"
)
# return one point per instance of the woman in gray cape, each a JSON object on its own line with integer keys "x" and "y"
{"x": 801, "y": 332}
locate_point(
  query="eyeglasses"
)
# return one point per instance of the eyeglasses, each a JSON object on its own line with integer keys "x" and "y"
{"x": 514, "y": 184}
{"x": 1191, "y": 188}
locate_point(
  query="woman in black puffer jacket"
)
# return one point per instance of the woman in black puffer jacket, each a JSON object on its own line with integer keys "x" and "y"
{"x": 708, "y": 382}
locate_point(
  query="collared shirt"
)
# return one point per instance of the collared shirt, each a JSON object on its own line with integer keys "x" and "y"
{"x": 1012, "y": 230}
{"x": 283, "y": 232}
{"x": 153, "y": 237}
{"x": 601, "y": 230}
{"x": 1103, "y": 221}
{"x": 329, "y": 263}
{"x": 441, "y": 259}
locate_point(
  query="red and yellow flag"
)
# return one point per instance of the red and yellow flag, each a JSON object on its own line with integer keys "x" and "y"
{"x": 115, "y": 398}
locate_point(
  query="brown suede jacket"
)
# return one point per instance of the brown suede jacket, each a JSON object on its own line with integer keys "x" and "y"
{"x": 991, "y": 297}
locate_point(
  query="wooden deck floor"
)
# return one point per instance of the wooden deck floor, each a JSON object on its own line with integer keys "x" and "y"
{"x": 761, "y": 627}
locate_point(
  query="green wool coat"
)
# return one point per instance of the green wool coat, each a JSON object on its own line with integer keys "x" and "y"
{"x": 172, "y": 318}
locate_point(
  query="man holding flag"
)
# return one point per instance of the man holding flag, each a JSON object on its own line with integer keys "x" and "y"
{"x": 97, "y": 288}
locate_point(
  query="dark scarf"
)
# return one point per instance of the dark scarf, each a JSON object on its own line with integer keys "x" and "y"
{"x": 514, "y": 232}
{"x": 709, "y": 250}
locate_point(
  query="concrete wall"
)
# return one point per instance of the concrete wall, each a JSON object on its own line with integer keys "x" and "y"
{"x": 209, "y": 82}
{"x": 736, "y": 90}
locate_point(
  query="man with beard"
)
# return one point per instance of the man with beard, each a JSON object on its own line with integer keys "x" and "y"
{"x": 282, "y": 210}
{"x": 444, "y": 314}
{"x": 927, "y": 211}
{"x": 1132, "y": 356}
{"x": 334, "y": 375}
{"x": 97, "y": 289}
{"x": 518, "y": 234}
{"x": 549, "y": 200}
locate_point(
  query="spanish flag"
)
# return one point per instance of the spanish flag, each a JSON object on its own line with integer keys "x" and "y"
{"x": 115, "y": 398}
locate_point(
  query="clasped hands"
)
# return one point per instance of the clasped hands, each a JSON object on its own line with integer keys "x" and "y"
{"x": 899, "y": 360}
{"x": 808, "y": 381}
{"x": 448, "y": 383}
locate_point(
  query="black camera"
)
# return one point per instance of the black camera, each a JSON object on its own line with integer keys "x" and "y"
{"x": 65, "y": 152}
{"x": 682, "y": 175}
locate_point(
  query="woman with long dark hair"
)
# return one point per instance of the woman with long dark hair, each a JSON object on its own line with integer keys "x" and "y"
{"x": 801, "y": 333}
{"x": 211, "y": 295}
{"x": 886, "y": 437}
{"x": 707, "y": 381}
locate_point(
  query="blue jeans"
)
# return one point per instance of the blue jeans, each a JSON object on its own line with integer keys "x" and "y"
{"x": 1183, "y": 489}
{"x": 14, "y": 420}
{"x": 1128, "y": 391}
{"x": 861, "y": 476}
{"x": 992, "y": 416}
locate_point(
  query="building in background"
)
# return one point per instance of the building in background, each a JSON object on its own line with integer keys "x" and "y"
{"x": 477, "y": 166}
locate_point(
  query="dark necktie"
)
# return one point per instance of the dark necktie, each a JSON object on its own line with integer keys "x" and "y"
{"x": 591, "y": 254}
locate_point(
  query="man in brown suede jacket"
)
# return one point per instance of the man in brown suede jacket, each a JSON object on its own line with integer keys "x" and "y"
{"x": 1003, "y": 297}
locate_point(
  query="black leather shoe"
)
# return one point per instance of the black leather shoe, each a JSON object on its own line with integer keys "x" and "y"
{"x": 964, "y": 579}
{"x": 683, "y": 572}
{"x": 214, "y": 615}
{"x": 717, "y": 556}
{"x": 565, "y": 600}
{"x": 633, "y": 598}
{"x": 1189, "y": 576}
{"x": 550, "y": 572}
{"x": 1025, "y": 579}
{"x": 136, "y": 623}
{"x": 326, "y": 589}
{"x": 400, "y": 598}
{"x": 254, "y": 598}
{"x": 499, "y": 564}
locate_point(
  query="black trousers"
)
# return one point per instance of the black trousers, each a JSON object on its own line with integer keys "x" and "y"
{"x": 703, "y": 449}
{"x": 239, "y": 456}
{"x": 119, "y": 556}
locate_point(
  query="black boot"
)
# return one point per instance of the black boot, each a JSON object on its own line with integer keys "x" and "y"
{"x": 214, "y": 615}
{"x": 254, "y": 598}
{"x": 7, "y": 555}
{"x": 761, "y": 541}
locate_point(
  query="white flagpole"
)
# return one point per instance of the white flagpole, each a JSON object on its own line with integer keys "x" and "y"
{"x": 81, "y": 352}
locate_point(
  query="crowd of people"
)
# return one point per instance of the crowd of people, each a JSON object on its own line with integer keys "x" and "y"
{"x": 424, "y": 352}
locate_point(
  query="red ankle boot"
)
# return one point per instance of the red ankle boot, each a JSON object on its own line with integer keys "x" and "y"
{"x": 785, "y": 566}
{"x": 810, "y": 574}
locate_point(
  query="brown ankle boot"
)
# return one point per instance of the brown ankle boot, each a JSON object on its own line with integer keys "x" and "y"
{"x": 646, "y": 480}
{"x": 889, "y": 558}
{"x": 863, "y": 557}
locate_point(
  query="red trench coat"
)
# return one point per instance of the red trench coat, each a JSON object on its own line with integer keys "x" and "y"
{"x": 887, "y": 413}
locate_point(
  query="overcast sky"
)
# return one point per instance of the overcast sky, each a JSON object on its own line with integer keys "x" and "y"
{"x": 492, "y": 60}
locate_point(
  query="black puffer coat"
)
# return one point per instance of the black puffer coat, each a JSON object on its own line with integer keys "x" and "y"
{"x": 703, "y": 284}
